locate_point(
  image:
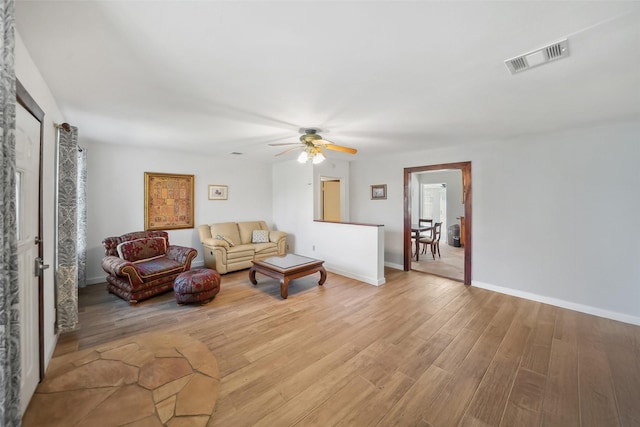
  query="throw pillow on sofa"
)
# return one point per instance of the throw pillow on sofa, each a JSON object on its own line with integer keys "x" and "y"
{"x": 260, "y": 236}
{"x": 142, "y": 249}
{"x": 226, "y": 239}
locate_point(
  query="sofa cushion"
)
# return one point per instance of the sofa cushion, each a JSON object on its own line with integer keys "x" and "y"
{"x": 161, "y": 266}
{"x": 111, "y": 243}
{"x": 241, "y": 252}
{"x": 227, "y": 229}
{"x": 142, "y": 249}
{"x": 246, "y": 229}
{"x": 261, "y": 248}
{"x": 260, "y": 236}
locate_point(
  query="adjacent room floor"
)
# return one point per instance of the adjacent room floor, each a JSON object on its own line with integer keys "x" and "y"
{"x": 450, "y": 264}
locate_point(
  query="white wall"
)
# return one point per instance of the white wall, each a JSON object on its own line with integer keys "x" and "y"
{"x": 351, "y": 250}
{"x": 540, "y": 208}
{"x": 33, "y": 82}
{"x": 293, "y": 204}
{"x": 115, "y": 193}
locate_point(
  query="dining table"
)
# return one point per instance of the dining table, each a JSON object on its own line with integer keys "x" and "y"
{"x": 416, "y": 229}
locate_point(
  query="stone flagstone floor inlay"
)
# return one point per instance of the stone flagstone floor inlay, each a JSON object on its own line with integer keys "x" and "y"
{"x": 151, "y": 379}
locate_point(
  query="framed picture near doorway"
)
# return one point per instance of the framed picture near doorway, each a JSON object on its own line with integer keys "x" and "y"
{"x": 379, "y": 192}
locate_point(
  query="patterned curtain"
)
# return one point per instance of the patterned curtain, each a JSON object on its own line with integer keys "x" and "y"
{"x": 82, "y": 217}
{"x": 9, "y": 312}
{"x": 67, "y": 254}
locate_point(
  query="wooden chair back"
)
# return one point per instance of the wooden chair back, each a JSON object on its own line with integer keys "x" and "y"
{"x": 428, "y": 223}
{"x": 437, "y": 231}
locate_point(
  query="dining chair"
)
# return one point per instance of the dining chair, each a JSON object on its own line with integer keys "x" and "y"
{"x": 424, "y": 222}
{"x": 433, "y": 240}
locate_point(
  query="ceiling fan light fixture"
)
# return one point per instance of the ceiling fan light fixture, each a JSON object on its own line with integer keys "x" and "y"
{"x": 313, "y": 145}
{"x": 318, "y": 158}
{"x": 303, "y": 157}
{"x": 311, "y": 155}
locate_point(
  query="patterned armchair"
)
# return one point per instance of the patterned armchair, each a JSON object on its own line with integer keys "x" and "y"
{"x": 142, "y": 264}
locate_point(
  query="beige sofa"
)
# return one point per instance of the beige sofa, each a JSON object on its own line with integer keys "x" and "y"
{"x": 228, "y": 246}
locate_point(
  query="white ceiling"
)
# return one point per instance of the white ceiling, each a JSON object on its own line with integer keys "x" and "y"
{"x": 218, "y": 77}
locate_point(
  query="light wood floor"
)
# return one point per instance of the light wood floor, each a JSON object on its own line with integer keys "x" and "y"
{"x": 419, "y": 350}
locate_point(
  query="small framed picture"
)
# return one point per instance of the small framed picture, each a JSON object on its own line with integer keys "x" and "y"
{"x": 218, "y": 192}
{"x": 379, "y": 192}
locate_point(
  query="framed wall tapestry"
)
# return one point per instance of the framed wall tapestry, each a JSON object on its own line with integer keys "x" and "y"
{"x": 168, "y": 201}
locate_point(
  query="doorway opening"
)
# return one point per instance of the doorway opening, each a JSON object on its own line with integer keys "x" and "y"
{"x": 332, "y": 200}
{"x": 433, "y": 203}
{"x": 439, "y": 195}
{"x": 411, "y": 206}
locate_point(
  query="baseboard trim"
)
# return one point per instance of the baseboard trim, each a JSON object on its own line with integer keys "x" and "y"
{"x": 95, "y": 280}
{"x": 394, "y": 265}
{"x": 369, "y": 280}
{"x": 607, "y": 314}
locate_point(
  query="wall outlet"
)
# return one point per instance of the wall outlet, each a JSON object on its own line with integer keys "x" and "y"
{"x": 313, "y": 248}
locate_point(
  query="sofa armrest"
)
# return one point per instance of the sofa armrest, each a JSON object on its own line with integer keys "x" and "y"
{"x": 204, "y": 231}
{"x": 116, "y": 266}
{"x": 213, "y": 243}
{"x": 276, "y": 236}
{"x": 215, "y": 258}
{"x": 280, "y": 239}
{"x": 182, "y": 254}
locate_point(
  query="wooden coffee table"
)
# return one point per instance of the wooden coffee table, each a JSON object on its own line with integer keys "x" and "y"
{"x": 286, "y": 268}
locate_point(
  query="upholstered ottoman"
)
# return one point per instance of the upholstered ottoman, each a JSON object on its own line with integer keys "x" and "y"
{"x": 197, "y": 285}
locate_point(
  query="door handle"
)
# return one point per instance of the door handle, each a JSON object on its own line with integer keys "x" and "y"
{"x": 39, "y": 266}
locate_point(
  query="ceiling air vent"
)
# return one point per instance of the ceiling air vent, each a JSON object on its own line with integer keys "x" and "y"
{"x": 537, "y": 57}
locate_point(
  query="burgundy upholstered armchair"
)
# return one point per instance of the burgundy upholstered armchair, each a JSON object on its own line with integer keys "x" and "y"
{"x": 143, "y": 264}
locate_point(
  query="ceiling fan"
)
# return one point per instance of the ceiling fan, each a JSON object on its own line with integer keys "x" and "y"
{"x": 313, "y": 146}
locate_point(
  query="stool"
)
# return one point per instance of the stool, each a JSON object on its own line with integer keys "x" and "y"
{"x": 197, "y": 285}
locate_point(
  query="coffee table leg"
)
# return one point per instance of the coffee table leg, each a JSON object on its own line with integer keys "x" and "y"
{"x": 252, "y": 276}
{"x": 284, "y": 288}
{"x": 323, "y": 276}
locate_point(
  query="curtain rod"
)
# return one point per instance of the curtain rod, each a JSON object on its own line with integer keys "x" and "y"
{"x": 66, "y": 126}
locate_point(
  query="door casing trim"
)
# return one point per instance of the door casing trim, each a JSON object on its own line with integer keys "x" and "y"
{"x": 465, "y": 167}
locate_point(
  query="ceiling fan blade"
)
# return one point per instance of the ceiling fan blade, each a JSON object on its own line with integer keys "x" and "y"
{"x": 288, "y": 150}
{"x": 283, "y": 143}
{"x": 335, "y": 147}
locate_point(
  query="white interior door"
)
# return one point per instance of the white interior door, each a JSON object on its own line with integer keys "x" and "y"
{"x": 27, "y": 192}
